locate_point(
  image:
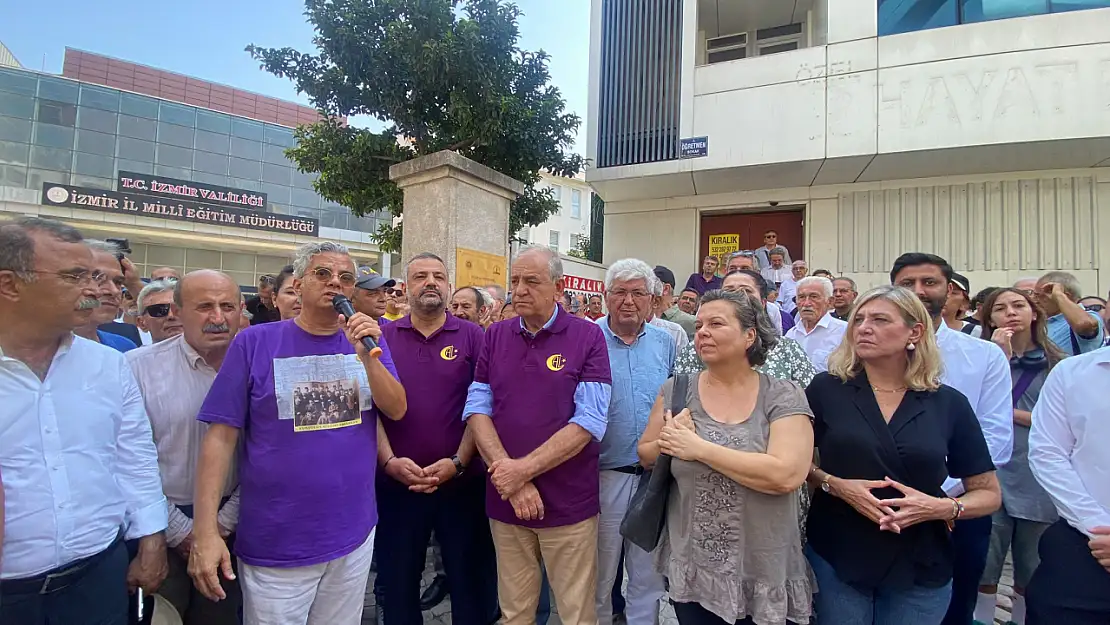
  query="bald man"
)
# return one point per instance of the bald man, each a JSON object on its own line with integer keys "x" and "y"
{"x": 174, "y": 376}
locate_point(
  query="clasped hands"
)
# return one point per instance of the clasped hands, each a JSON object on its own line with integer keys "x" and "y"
{"x": 892, "y": 515}
{"x": 512, "y": 477}
{"x": 420, "y": 479}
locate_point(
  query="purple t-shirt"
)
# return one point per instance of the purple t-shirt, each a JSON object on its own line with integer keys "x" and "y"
{"x": 698, "y": 284}
{"x": 309, "y": 443}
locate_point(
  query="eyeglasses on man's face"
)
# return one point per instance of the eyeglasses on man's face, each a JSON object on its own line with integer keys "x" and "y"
{"x": 74, "y": 278}
{"x": 324, "y": 275}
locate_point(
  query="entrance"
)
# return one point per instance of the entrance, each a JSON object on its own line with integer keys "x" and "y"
{"x": 750, "y": 228}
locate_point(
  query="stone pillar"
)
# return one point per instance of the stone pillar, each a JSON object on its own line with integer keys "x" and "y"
{"x": 457, "y": 209}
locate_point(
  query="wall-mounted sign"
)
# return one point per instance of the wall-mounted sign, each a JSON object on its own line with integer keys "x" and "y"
{"x": 694, "y": 147}
{"x": 721, "y": 245}
{"x": 146, "y": 184}
{"x": 585, "y": 285}
{"x": 474, "y": 268}
{"x": 133, "y": 204}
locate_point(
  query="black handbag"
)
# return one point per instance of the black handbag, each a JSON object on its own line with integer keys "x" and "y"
{"x": 643, "y": 522}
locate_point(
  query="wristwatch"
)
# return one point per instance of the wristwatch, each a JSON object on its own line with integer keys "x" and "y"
{"x": 459, "y": 466}
{"x": 825, "y": 483}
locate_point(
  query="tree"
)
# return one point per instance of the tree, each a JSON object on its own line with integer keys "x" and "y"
{"x": 442, "y": 75}
{"x": 581, "y": 249}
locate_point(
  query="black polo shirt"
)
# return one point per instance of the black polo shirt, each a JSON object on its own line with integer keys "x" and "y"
{"x": 932, "y": 435}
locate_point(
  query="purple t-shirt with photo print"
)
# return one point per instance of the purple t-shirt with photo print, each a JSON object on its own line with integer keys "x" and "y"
{"x": 308, "y": 443}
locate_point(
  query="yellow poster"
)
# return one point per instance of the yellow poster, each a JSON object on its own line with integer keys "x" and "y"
{"x": 474, "y": 268}
{"x": 721, "y": 245}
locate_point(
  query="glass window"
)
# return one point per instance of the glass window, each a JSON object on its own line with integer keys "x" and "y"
{"x": 58, "y": 89}
{"x": 985, "y": 10}
{"x": 553, "y": 240}
{"x": 139, "y": 106}
{"x": 246, "y": 128}
{"x": 14, "y": 153}
{"x": 276, "y": 174}
{"x": 207, "y": 178}
{"x": 138, "y": 167}
{"x": 17, "y": 105}
{"x": 96, "y": 119}
{"x": 173, "y": 134}
{"x": 14, "y": 81}
{"x": 213, "y": 122}
{"x": 36, "y": 177}
{"x": 51, "y": 136}
{"x": 93, "y": 165}
{"x": 576, "y": 203}
{"x": 245, "y": 185}
{"x": 1061, "y": 6}
{"x": 96, "y": 143}
{"x": 276, "y": 193}
{"x": 180, "y": 173}
{"x": 138, "y": 127}
{"x": 304, "y": 180}
{"x": 333, "y": 220}
{"x": 900, "y": 16}
{"x": 308, "y": 199}
{"x": 51, "y": 158}
{"x": 13, "y": 176}
{"x": 177, "y": 114}
{"x": 212, "y": 142}
{"x": 94, "y": 182}
{"x": 174, "y": 156}
{"x": 211, "y": 163}
{"x": 243, "y": 168}
{"x": 12, "y": 129}
{"x": 246, "y": 148}
{"x": 59, "y": 113}
{"x": 99, "y": 98}
{"x": 557, "y": 192}
{"x": 275, "y": 154}
{"x": 136, "y": 150}
{"x": 278, "y": 135}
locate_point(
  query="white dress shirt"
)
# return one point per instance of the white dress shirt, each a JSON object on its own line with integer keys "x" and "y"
{"x": 774, "y": 312}
{"x": 782, "y": 274}
{"x": 980, "y": 371}
{"x": 681, "y": 340}
{"x": 1069, "y": 443}
{"x": 787, "y": 291}
{"x": 77, "y": 458}
{"x": 174, "y": 381}
{"x": 821, "y": 341}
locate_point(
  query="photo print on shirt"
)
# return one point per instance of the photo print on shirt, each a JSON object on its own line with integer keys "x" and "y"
{"x": 321, "y": 392}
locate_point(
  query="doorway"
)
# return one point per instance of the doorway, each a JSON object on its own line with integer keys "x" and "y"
{"x": 788, "y": 223}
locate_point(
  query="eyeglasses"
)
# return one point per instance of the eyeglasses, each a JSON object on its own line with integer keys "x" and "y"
{"x": 1095, "y": 307}
{"x": 157, "y": 310}
{"x": 75, "y": 278}
{"x": 323, "y": 274}
{"x": 101, "y": 278}
{"x": 621, "y": 294}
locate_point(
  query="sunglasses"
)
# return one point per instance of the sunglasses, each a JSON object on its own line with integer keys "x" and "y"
{"x": 157, "y": 310}
{"x": 394, "y": 292}
{"x": 323, "y": 274}
{"x": 1095, "y": 307}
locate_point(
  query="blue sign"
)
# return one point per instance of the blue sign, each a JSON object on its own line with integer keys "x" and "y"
{"x": 694, "y": 147}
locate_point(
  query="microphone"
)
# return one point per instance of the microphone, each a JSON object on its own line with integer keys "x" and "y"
{"x": 343, "y": 306}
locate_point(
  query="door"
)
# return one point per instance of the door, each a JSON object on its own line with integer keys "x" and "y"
{"x": 751, "y": 227}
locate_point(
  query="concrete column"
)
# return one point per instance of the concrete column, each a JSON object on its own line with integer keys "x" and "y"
{"x": 452, "y": 203}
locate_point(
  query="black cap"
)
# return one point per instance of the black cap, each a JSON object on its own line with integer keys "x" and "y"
{"x": 666, "y": 276}
{"x": 369, "y": 279}
{"x": 963, "y": 283}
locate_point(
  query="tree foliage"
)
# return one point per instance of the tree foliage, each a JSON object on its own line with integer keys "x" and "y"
{"x": 581, "y": 249}
{"x": 441, "y": 74}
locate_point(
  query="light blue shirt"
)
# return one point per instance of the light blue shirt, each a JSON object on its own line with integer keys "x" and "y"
{"x": 590, "y": 398}
{"x": 77, "y": 458}
{"x": 1059, "y": 332}
{"x": 639, "y": 370}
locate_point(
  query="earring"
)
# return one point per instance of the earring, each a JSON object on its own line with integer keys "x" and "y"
{"x": 910, "y": 347}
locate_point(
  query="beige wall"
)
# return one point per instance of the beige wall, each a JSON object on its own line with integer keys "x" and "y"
{"x": 994, "y": 229}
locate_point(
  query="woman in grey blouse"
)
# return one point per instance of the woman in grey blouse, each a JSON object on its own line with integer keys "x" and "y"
{"x": 731, "y": 548}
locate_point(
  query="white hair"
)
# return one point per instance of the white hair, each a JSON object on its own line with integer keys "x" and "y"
{"x": 554, "y": 263}
{"x": 97, "y": 245}
{"x": 308, "y": 250}
{"x": 484, "y": 297}
{"x": 152, "y": 287}
{"x": 628, "y": 269}
{"x": 825, "y": 284}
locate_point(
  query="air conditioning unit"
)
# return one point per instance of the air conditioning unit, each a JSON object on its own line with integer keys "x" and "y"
{"x": 726, "y": 48}
{"x": 779, "y": 39}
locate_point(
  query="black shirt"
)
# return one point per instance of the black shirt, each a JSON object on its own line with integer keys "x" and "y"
{"x": 260, "y": 313}
{"x": 932, "y": 435}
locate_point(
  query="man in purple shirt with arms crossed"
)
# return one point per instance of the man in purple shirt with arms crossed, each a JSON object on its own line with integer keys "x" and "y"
{"x": 300, "y": 392}
{"x": 537, "y": 408}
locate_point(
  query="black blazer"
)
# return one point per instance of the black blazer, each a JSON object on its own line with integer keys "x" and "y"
{"x": 126, "y": 330}
{"x": 932, "y": 435}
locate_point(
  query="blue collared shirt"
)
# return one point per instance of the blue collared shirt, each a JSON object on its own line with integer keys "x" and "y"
{"x": 639, "y": 370}
{"x": 1060, "y": 333}
{"x": 591, "y": 399}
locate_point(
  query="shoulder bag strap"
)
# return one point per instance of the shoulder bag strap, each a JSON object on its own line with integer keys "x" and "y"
{"x": 678, "y": 392}
{"x": 1023, "y": 382}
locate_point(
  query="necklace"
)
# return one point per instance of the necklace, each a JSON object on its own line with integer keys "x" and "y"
{"x": 883, "y": 390}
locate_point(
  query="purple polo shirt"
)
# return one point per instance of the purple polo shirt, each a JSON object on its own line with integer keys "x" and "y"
{"x": 309, "y": 443}
{"x": 436, "y": 372}
{"x": 698, "y": 283}
{"x": 533, "y": 382}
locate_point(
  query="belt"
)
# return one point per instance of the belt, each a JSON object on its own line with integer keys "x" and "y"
{"x": 187, "y": 510}
{"x": 632, "y": 469}
{"x": 59, "y": 578}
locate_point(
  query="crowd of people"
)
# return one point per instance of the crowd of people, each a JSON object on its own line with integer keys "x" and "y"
{"x": 822, "y": 455}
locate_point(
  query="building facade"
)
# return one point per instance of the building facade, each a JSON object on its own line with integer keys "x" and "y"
{"x": 858, "y": 129}
{"x": 564, "y": 230}
{"x": 193, "y": 175}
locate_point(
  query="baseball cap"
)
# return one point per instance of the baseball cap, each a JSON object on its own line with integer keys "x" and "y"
{"x": 666, "y": 276}
{"x": 369, "y": 279}
{"x": 963, "y": 283}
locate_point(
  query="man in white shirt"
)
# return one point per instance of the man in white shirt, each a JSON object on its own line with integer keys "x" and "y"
{"x": 789, "y": 287}
{"x": 778, "y": 271}
{"x": 174, "y": 376}
{"x": 80, "y": 469}
{"x": 818, "y": 332}
{"x": 1069, "y": 453}
{"x": 980, "y": 371}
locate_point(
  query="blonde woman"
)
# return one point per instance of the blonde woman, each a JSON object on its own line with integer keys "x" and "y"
{"x": 889, "y": 433}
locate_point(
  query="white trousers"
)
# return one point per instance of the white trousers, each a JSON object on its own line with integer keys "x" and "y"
{"x": 645, "y": 584}
{"x": 329, "y": 593}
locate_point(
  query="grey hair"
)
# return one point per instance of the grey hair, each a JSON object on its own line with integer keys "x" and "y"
{"x": 308, "y": 250}
{"x": 1066, "y": 280}
{"x": 152, "y": 287}
{"x": 422, "y": 256}
{"x": 484, "y": 298}
{"x": 627, "y": 269}
{"x": 777, "y": 250}
{"x": 554, "y": 263}
{"x": 825, "y": 284}
{"x": 848, "y": 280}
{"x": 496, "y": 291}
{"x": 17, "y": 248}
{"x": 97, "y": 245}
{"x": 752, "y": 315}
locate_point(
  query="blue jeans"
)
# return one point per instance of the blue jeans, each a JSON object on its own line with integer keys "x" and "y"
{"x": 543, "y": 610}
{"x": 98, "y": 597}
{"x": 838, "y": 603}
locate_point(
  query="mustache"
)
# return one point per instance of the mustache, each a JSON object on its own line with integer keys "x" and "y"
{"x": 216, "y": 328}
{"x": 88, "y": 303}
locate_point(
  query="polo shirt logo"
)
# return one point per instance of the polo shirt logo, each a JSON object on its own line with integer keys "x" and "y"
{"x": 556, "y": 362}
{"x": 449, "y": 353}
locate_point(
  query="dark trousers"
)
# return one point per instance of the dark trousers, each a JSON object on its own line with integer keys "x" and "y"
{"x": 694, "y": 614}
{"x": 456, "y": 512}
{"x": 95, "y": 596}
{"x": 971, "y": 540}
{"x": 618, "y": 598}
{"x": 1069, "y": 587}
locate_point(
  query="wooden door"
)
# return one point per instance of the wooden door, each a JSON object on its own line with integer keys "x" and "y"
{"x": 752, "y": 226}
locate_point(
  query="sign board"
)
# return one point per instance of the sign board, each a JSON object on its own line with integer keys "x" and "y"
{"x": 146, "y": 184}
{"x": 721, "y": 245}
{"x": 583, "y": 285}
{"x": 474, "y": 268}
{"x": 54, "y": 194}
{"x": 694, "y": 147}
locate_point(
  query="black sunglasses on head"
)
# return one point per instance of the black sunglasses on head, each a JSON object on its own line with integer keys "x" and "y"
{"x": 157, "y": 310}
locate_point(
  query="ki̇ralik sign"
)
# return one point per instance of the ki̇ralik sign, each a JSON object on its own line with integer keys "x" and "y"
{"x": 145, "y": 184}
{"x": 54, "y": 194}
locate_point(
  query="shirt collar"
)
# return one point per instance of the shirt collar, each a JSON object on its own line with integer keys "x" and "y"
{"x": 63, "y": 347}
{"x": 550, "y": 325}
{"x": 450, "y": 324}
{"x": 191, "y": 355}
{"x": 604, "y": 323}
